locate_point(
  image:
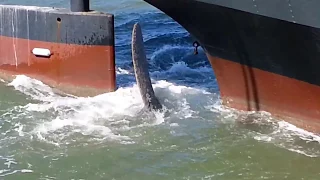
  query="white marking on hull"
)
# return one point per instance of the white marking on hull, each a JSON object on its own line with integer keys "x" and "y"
{"x": 41, "y": 52}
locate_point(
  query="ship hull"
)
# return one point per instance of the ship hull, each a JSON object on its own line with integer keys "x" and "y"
{"x": 261, "y": 63}
{"x": 82, "y": 56}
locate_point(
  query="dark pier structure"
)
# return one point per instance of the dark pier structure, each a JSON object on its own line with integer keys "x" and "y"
{"x": 80, "y": 5}
{"x": 71, "y": 50}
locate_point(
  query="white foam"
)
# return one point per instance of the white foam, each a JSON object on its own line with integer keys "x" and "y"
{"x": 174, "y": 125}
{"x": 26, "y": 170}
{"x": 19, "y": 129}
{"x": 103, "y": 117}
{"x": 34, "y": 88}
{"x": 183, "y": 67}
{"x": 265, "y": 138}
{"x": 290, "y": 137}
{"x": 122, "y": 71}
{"x": 166, "y": 48}
{"x": 269, "y": 130}
{"x": 179, "y": 89}
{"x": 108, "y": 116}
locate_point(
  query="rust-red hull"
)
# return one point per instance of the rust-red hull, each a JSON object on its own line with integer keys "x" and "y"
{"x": 80, "y": 46}
{"x": 82, "y": 70}
{"x": 247, "y": 88}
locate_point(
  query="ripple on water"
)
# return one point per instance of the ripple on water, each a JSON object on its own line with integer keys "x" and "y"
{"x": 45, "y": 135}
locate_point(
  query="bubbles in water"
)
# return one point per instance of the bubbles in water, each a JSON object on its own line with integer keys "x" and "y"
{"x": 57, "y": 119}
{"x": 262, "y": 127}
{"x": 113, "y": 116}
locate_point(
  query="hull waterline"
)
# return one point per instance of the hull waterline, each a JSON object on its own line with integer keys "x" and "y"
{"x": 261, "y": 62}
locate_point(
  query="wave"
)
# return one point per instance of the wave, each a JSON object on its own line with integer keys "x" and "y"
{"x": 107, "y": 117}
{"x": 262, "y": 127}
{"x": 113, "y": 117}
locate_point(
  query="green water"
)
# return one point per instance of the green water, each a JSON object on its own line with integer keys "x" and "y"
{"x": 209, "y": 144}
{"x": 46, "y": 136}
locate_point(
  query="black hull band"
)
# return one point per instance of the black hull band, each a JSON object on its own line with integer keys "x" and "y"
{"x": 265, "y": 43}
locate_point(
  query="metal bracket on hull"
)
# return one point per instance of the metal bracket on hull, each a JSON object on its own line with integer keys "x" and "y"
{"x": 196, "y": 45}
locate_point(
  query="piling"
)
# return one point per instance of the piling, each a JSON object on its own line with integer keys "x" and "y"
{"x": 80, "y": 5}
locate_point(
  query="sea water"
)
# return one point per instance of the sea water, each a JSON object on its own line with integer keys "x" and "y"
{"x": 47, "y": 136}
